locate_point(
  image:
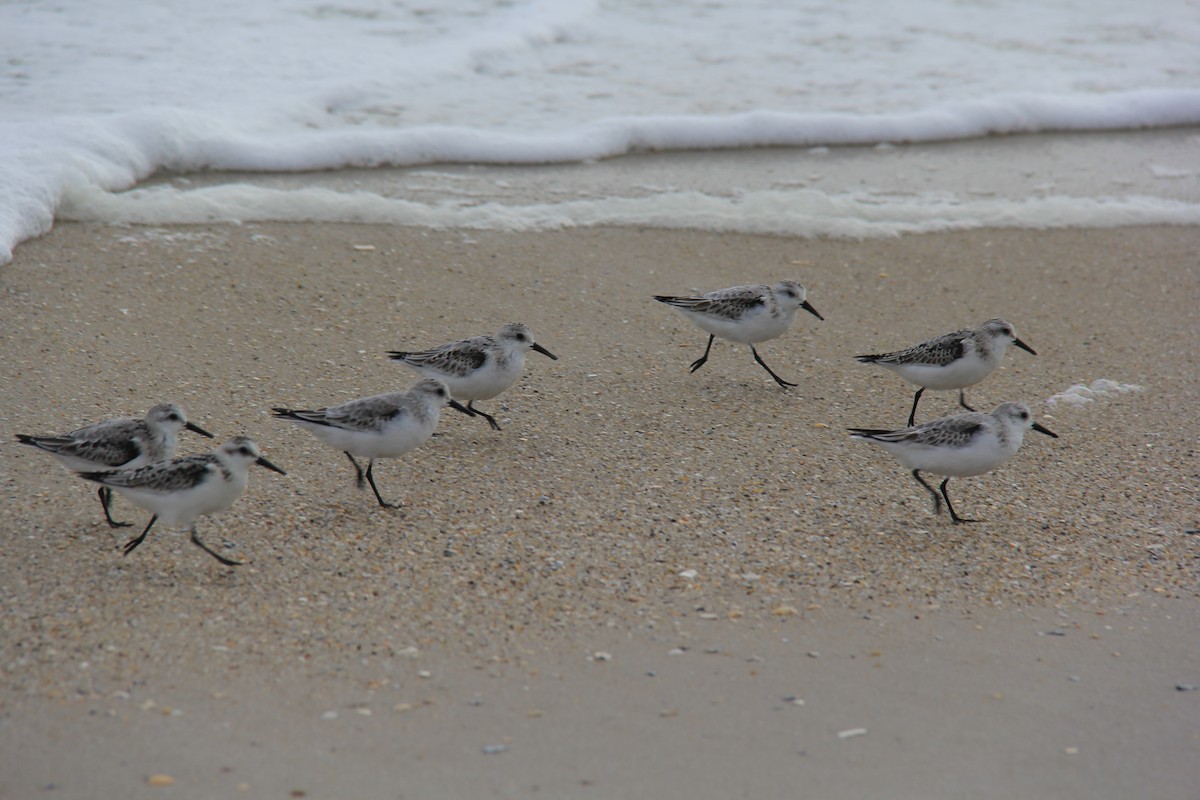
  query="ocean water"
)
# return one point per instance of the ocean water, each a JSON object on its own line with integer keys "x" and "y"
{"x": 843, "y": 118}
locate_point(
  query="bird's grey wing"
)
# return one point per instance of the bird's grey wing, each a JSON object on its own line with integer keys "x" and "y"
{"x": 731, "y": 303}
{"x": 936, "y": 352}
{"x": 183, "y": 473}
{"x": 456, "y": 358}
{"x": 945, "y": 432}
{"x": 112, "y": 443}
{"x": 368, "y": 413}
{"x": 951, "y": 432}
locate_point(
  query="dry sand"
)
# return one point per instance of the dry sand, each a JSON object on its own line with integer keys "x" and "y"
{"x": 651, "y": 583}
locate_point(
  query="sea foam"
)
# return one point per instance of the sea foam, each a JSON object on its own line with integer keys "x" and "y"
{"x": 1079, "y": 395}
{"x": 100, "y": 96}
{"x": 798, "y": 213}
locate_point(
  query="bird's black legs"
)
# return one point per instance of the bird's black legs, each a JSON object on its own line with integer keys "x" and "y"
{"x": 763, "y": 364}
{"x": 132, "y": 544}
{"x": 937, "y": 501}
{"x": 957, "y": 519}
{"x": 369, "y": 477}
{"x": 359, "y": 481}
{"x": 699, "y": 362}
{"x": 105, "y": 502}
{"x": 374, "y": 488}
{"x": 491, "y": 420}
{"x": 229, "y": 562}
{"x": 912, "y": 415}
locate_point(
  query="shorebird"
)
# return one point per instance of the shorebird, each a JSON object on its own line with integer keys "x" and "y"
{"x": 744, "y": 314}
{"x": 183, "y": 489}
{"x": 478, "y": 368}
{"x": 125, "y": 443}
{"x": 381, "y": 426}
{"x": 951, "y": 361}
{"x": 957, "y": 446}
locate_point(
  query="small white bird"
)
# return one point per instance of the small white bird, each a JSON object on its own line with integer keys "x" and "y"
{"x": 183, "y": 489}
{"x": 125, "y": 443}
{"x": 951, "y": 361}
{"x": 745, "y": 314}
{"x": 958, "y": 446}
{"x": 381, "y": 426}
{"x": 478, "y": 368}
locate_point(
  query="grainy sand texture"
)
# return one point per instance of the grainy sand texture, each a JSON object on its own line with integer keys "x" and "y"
{"x": 650, "y": 583}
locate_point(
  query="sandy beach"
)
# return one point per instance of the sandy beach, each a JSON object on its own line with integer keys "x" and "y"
{"x": 650, "y": 583}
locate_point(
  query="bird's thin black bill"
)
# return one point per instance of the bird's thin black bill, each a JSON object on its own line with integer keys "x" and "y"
{"x": 1024, "y": 347}
{"x": 544, "y": 351}
{"x": 262, "y": 462}
{"x": 194, "y": 428}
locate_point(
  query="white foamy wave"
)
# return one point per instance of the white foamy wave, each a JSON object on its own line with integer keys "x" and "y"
{"x": 102, "y": 94}
{"x": 1084, "y": 395}
{"x": 801, "y": 212}
{"x": 44, "y": 164}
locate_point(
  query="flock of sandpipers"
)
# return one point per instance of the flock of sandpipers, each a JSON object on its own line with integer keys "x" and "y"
{"x": 135, "y": 457}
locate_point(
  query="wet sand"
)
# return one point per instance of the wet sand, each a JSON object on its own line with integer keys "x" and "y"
{"x": 650, "y": 583}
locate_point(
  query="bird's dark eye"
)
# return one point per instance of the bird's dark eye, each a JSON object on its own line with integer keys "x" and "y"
{"x": 174, "y": 418}
{"x": 1024, "y": 415}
